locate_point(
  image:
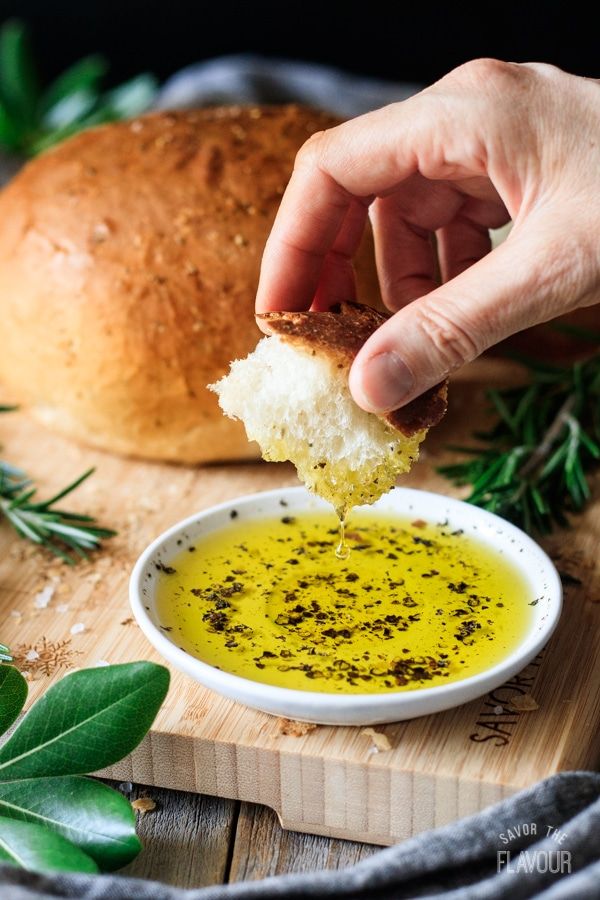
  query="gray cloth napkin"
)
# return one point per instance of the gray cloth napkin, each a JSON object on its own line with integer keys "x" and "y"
{"x": 460, "y": 861}
{"x": 248, "y": 79}
{"x": 456, "y": 862}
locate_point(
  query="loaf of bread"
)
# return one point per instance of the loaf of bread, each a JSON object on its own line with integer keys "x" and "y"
{"x": 292, "y": 395}
{"x": 129, "y": 260}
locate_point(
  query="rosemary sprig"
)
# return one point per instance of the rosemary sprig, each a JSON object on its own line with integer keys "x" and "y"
{"x": 61, "y": 532}
{"x": 67, "y": 535}
{"x": 33, "y": 118}
{"x": 533, "y": 467}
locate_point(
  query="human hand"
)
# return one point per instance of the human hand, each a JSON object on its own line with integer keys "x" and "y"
{"x": 489, "y": 142}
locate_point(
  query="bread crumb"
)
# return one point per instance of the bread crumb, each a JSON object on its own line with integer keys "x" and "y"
{"x": 523, "y": 703}
{"x": 380, "y": 740}
{"x": 419, "y": 523}
{"x": 293, "y": 728}
{"x": 143, "y": 805}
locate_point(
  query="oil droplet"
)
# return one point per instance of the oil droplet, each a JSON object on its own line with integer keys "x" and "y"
{"x": 342, "y": 551}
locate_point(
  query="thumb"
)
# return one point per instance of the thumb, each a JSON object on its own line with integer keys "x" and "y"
{"x": 527, "y": 280}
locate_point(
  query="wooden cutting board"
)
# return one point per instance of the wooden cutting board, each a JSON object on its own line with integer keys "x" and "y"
{"x": 329, "y": 781}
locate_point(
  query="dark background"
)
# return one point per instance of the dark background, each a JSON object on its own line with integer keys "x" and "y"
{"x": 395, "y": 40}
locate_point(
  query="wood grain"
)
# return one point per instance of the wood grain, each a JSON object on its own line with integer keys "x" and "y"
{"x": 262, "y": 848}
{"x": 187, "y": 838}
{"x": 328, "y": 782}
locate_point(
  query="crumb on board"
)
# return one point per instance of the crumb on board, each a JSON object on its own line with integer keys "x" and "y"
{"x": 380, "y": 741}
{"x": 143, "y": 805}
{"x": 523, "y": 703}
{"x": 293, "y": 728}
{"x": 419, "y": 523}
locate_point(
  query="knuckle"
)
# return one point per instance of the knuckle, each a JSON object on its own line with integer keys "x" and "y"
{"x": 491, "y": 76}
{"x": 486, "y": 68}
{"x": 311, "y": 152}
{"x": 453, "y": 341}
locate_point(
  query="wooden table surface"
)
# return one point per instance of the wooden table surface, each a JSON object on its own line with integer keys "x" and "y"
{"x": 192, "y": 840}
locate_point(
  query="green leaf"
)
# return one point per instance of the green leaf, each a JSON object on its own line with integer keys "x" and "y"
{"x": 97, "y": 117}
{"x": 13, "y": 693}
{"x": 89, "y": 814}
{"x": 71, "y": 109}
{"x": 88, "y": 720}
{"x": 133, "y": 97}
{"x": 39, "y": 849}
{"x": 10, "y": 138}
{"x": 86, "y": 74}
{"x": 18, "y": 80}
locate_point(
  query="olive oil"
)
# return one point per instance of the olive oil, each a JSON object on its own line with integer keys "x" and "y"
{"x": 413, "y": 605}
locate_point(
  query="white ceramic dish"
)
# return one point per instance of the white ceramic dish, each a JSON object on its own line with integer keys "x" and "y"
{"x": 353, "y": 709}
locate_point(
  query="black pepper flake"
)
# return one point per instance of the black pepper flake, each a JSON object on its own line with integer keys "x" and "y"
{"x": 217, "y": 620}
{"x": 467, "y": 628}
{"x": 287, "y": 520}
{"x": 459, "y": 588}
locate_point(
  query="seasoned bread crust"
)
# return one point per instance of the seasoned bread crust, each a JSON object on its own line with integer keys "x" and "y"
{"x": 339, "y": 333}
{"x": 129, "y": 261}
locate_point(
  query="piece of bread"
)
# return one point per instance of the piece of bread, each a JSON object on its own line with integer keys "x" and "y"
{"x": 292, "y": 395}
{"x": 129, "y": 261}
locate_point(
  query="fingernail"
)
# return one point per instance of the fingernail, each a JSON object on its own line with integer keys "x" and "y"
{"x": 386, "y": 381}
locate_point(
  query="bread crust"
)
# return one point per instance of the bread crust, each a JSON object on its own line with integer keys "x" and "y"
{"x": 129, "y": 261}
{"x": 339, "y": 333}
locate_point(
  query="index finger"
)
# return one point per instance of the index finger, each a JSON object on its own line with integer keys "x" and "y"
{"x": 352, "y": 162}
{"x": 310, "y": 217}
{"x": 367, "y": 157}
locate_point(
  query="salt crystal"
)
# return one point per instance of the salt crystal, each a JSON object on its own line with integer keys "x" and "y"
{"x": 126, "y": 787}
{"x": 498, "y": 710}
{"x": 77, "y": 628}
{"x": 62, "y": 607}
{"x": 31, "y": 655}
{"x": 16, "y": 613}
{"x": 99, "y": 663}
{"x": 43, "y": 597}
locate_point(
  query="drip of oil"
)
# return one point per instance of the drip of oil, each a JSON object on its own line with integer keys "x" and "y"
{"x": 342, "y": 551}
{"x": 414, "y": 605}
